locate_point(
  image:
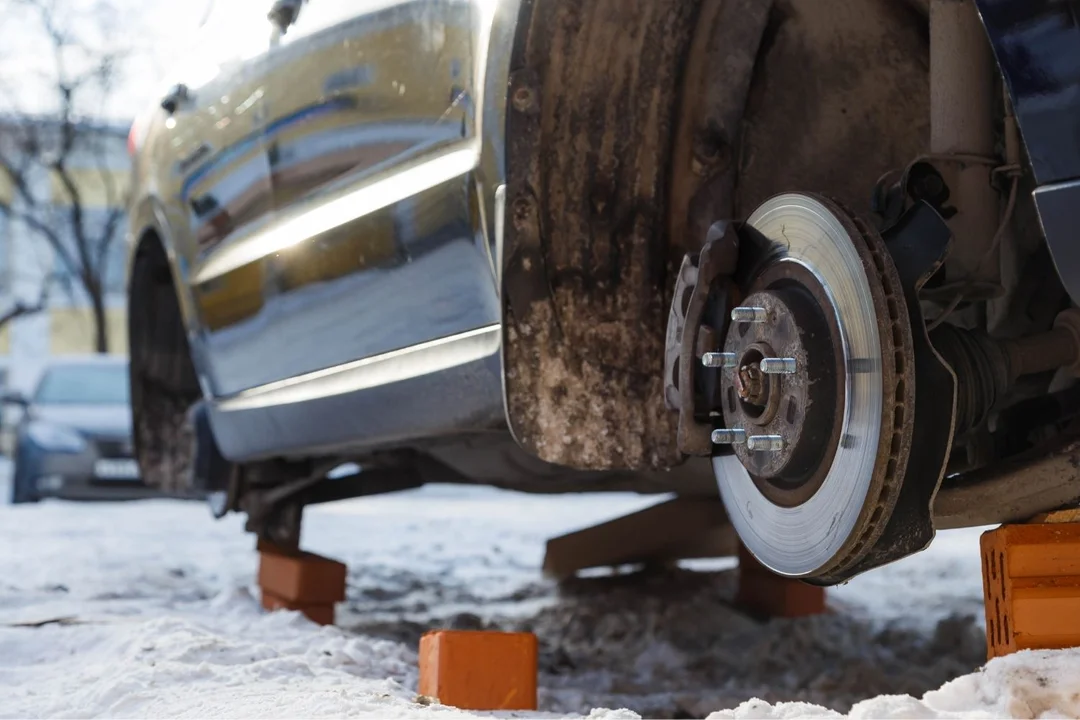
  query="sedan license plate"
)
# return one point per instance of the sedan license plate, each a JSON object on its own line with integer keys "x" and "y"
{"x": 116, "y": 469}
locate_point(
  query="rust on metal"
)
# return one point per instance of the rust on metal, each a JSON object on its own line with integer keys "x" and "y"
{"x": 750, "y": 385}
{"x": 716, "y": 263}
{"x": 633, "y": 127}
{"x": 801, "y": 408}
{"x": 898, "y": 408}
{"x": 925, "y": 419}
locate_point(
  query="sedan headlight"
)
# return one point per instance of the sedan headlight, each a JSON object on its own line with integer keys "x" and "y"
{"x": 55, "y": 437}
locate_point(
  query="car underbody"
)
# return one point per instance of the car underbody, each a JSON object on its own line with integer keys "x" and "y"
{"x": 788, "y": 250}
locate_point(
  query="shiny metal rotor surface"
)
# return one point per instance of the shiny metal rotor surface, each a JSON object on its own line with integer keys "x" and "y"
{"x": 806, "y": 539}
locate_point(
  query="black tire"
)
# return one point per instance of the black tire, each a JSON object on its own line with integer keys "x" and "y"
{"x": 164, "y": 385}
{"x": 22, "y": 491}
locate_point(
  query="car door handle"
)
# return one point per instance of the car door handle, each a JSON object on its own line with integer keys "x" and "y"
{"x": 174, "y": 98}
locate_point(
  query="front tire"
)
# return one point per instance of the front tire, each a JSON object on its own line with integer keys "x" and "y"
{"x": 22, "y": 480}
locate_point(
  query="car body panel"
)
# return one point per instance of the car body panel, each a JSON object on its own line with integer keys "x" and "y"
{"x": 448, "y": 387}
{"x": 378, "y": 238}
{"x": 1037, "y": 45}
{"x": 371, "y": 149}
{"x": 374, "y": 141}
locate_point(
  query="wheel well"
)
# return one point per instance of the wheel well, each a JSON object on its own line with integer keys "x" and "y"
{"x": 628, "y": 135}
{"x": 164, "y": 384}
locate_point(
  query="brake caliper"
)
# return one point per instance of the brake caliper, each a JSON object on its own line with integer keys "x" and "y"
{"x": 696, "y": 326}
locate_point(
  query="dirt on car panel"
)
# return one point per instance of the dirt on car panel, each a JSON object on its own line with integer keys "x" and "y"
{"x": 593, "y": 97}
{"x": 597, "y": 98}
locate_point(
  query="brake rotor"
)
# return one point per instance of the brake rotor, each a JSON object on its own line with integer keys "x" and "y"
{"x": 814, "y": 478}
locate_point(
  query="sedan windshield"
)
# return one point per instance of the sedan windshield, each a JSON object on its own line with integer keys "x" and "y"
{"x": 90, "y": 384}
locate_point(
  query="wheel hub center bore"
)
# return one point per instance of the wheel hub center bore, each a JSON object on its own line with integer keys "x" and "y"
{"x": 758, "y": 392}
{"x": 750, "y": 382}
{"x": 782, "y": 388}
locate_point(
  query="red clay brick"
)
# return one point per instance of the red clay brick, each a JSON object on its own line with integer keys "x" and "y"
{"x": 1031, "y": 587}
{"x": 321, "y": 614}
{"x": 762, "y": 592}
{"x": 303, "y": 578}
{"x": 477, "y": 670}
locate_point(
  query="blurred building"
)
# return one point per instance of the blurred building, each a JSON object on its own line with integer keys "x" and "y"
{"x": 27, "y": 261}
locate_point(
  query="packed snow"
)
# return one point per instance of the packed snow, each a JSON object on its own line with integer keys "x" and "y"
{"x": 149, "y": 609}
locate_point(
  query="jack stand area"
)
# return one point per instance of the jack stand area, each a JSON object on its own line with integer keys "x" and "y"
{"x": 682, "y": 529}
{"x": 499, "y": 671}
{"x": 297, "y": 580}
{"x": 679, "y": 529}
{"x": 1031, "y": 584}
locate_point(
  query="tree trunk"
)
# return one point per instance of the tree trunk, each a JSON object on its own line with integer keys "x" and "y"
{"x": 101, "y": 322}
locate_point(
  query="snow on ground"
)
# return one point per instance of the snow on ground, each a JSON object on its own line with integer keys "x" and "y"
{"x": 148, "y": 610}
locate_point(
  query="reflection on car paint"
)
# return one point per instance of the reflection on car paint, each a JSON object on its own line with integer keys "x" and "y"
{"x": 345, "y": 208}
{"x": 1037, "y": 43}
{"x": 349, "y": 78}
{"x": 307, "y": 293}
{"x": 339, "y": 117}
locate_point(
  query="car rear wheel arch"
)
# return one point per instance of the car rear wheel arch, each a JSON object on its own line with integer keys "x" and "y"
{"x": 164, "y": 382}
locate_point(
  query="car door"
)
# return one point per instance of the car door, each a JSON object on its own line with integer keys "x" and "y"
{"x": 218, "y": 186}
{"x": 377, "y": 243}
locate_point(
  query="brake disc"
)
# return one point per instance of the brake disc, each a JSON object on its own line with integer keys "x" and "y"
{"x": 814, "y": 477}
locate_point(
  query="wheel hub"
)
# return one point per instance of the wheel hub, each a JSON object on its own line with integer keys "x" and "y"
{"x": 796, "y": 402}
{"x": 819, "y": 383}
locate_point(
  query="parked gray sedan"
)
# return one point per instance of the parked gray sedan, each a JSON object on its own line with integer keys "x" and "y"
{"x": 74, "y": 437}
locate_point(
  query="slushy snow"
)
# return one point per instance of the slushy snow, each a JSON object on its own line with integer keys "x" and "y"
{"x": 149, "y": 610}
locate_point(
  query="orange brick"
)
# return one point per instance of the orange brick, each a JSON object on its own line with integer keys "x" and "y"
{"x": 302, "y": 577}
{"x": 763, "y": 592}
{"x": 321, "y": 614}
{"x": 1031, "y": 587}
{"x": 479, "y": 670}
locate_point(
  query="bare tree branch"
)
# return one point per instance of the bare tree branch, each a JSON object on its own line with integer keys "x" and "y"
{"x": 48, "y": 232}
{"x": 19, "y": 309}
{"x": 64, "y": 148}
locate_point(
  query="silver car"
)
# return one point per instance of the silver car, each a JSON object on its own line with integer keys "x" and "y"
{"x": 804, "y": 256}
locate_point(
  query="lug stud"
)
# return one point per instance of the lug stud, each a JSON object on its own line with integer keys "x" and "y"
{"x": 728, "y": 436}
{"x": 719, "y": 360}
{"x": 749, "y": 314}
{"x": 778, "y": 366}
{"x": 765, "y": 443}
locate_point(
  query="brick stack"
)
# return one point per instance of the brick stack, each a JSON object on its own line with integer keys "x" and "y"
{"x": 1031, "y": 587}
{"x": 301, "y": 581}
{"x": 766, "y": 594}
{"x": 479, "y": 670}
